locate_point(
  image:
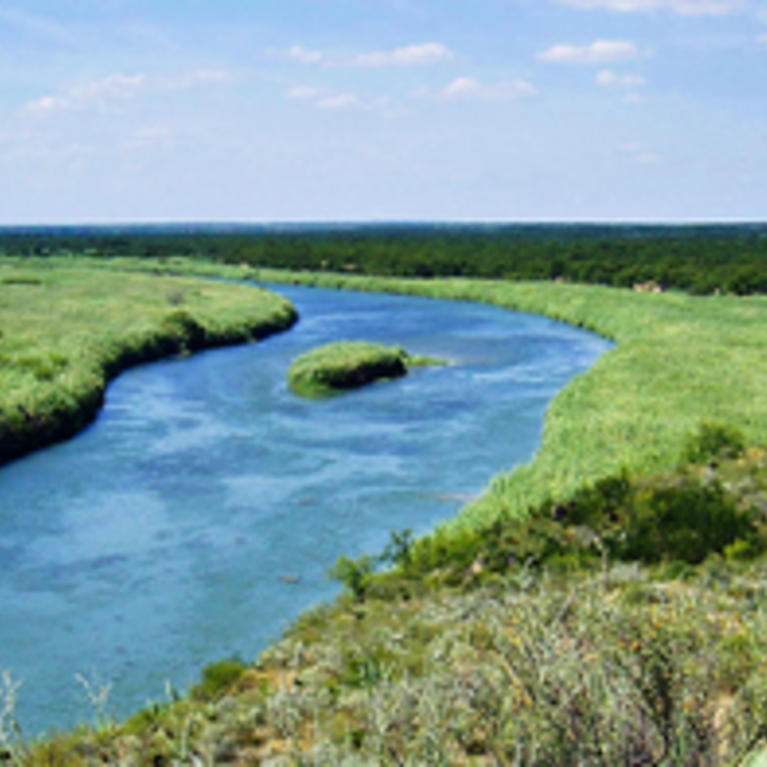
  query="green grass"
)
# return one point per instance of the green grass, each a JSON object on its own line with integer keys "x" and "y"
{"x": 621, "y": 667}
{"x": 66, "y": 329}
{"x": 344, "y": 365}
{"x": 613, "y": 664}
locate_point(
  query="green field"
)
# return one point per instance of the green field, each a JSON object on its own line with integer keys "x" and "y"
{"x": 641, "y": 658}
{"x": 67, "y": 329}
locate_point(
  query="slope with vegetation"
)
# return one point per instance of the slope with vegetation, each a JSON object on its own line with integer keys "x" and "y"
{"x": 590, "y": 654}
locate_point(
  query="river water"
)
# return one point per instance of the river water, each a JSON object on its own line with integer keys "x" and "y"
{"x": 200, "y": 513}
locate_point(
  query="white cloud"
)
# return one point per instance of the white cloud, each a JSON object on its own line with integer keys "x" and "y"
{"x": 198, "y": 77}
{"x": 648, "y": 158}
{"x": 38, "y": 26}
{"x": 325, "y": 99}
{"x": 47, "y": 104}
{"x": 609, "y": 79}
{"x": 680, "y": 7}
{"x": 80, "y": 95}
{"x": 340, "y": 101}
{"x": 600, "y": 51}
{"x": 153, "y": 136}
{"x": 505, "y": 90}
{"x": 632, "y": 98}
{"x": 120, "y": 87}
{"x": 302, "y": 92}
{"x": 306, "y": 55}
{"x": 411, "y": 55}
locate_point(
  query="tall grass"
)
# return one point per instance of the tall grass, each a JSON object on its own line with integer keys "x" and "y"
{"x": 66, "y": 329}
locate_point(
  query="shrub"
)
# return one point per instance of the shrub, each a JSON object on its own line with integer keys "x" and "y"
{"x": 714, "y": 441}
{"x": 184, "y": 329}
{"x": 685, "y": 522}
{"x": 344, "y": 365}
{"x": 218, "y": 678}
{"x": 355, "y": 574}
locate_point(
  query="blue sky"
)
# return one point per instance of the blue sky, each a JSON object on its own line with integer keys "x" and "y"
{"x": 341, "y": 110}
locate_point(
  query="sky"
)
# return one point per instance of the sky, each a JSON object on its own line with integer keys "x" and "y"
{"x": 382, "y": 110}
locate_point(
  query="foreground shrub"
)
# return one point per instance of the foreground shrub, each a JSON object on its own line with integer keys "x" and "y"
{"x": 679, "y": 517}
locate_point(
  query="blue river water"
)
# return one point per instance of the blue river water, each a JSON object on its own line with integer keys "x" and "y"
{"x": 198, "y": 516}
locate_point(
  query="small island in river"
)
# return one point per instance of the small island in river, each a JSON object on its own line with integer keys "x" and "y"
{"x": 345, "y": 365}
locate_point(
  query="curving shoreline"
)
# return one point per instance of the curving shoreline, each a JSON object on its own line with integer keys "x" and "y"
{"x": 52, "y": 403}
{"x": 678, "y": 359}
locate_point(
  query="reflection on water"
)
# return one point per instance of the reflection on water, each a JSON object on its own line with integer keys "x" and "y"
{"x": 199, "y": 515}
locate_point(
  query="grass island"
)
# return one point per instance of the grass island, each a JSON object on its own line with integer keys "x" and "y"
{"x": 346, "y": 365}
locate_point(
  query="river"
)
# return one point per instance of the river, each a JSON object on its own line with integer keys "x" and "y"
{"x": 198, "y": 516}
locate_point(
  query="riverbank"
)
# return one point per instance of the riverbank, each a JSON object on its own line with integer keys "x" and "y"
{"x": 679, "y": 360}
{"x": 67, "y": 330}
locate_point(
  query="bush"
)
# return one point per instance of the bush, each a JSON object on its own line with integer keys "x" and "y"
{"x": 218, "y": 678}
{"x": 344, "y": 365}
{"x": 355, "y": 574}
{"x": 684, "y": 522}
{"x": 714, "y": 441}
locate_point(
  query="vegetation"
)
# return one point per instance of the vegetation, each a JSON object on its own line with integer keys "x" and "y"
{"x": 67, "y": 329}
{"x": 679, "y": 360}
{"x": 348, "y": 365}
{"x": 604, "y": 604}
{"x": 603, "y": 661}
{"x": 701, "y": 258}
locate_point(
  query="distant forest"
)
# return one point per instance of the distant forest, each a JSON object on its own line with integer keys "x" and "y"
{"x": 700, "y": 259}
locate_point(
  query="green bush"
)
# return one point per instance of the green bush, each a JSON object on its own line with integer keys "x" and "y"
{"x": 184, "y": 328}
{"x": 714, "y": 441}
{"x": 218, "y": 678}
{"x": 355, "y": 574}
{"x": 685, "y": 522}
{"x": 344, "y": 365}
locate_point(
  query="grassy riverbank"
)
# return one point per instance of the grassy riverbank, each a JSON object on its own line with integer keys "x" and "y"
{"x": 679, "y": 360}
{"x": 66, "y": 329}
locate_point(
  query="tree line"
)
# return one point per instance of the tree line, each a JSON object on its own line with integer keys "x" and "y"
{"x": 700, "y": 259}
